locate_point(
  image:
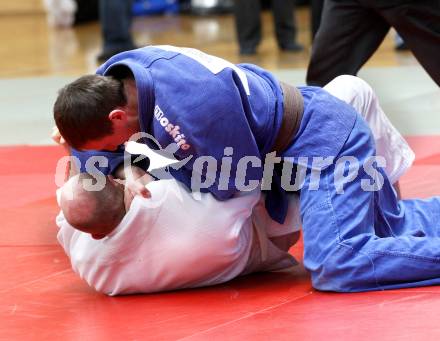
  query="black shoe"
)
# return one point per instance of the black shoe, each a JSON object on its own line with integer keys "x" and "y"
{"x": 248, "y": 51}
{"x": 105, "y": 55}
{"x": 291, "y": 47}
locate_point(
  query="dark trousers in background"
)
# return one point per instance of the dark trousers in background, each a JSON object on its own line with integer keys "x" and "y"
{"x": 248, "y": 22}
{"x": 352, "y": 30}
{"x": 116, "y": 17}
{"x": 316, "y": 12}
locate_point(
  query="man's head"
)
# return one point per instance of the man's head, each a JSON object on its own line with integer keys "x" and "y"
{"x": 97, "y": 112}
{"x": 91, "y": 211}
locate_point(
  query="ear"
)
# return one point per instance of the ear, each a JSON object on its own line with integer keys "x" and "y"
{"x": 117, "y": 115}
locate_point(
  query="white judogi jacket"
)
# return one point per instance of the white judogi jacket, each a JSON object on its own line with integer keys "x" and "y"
{"x": 174, "y": 241}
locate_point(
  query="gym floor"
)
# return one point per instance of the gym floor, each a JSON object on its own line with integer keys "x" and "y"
{"x": 42, "y": 299}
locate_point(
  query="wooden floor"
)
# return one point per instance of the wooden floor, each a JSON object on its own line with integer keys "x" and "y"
{"x": 31, "y": 48}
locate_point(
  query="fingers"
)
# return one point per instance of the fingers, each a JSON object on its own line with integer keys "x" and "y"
{"x": 131, "y": 190}
{"x": 134, "y": 183}
{"x": 56, "y": 136}
{"x": 140, "y": 189}
{"x": 137, "y": 188}
{"x": 146, "y": 193}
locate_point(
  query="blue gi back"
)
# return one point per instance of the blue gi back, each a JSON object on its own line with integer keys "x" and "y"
{"x": 204, "y": 104}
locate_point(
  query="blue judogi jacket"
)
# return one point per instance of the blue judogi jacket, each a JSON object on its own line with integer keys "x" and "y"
{"x": 204, "y": 104}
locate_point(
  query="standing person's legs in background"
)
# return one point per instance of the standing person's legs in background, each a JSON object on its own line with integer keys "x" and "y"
{"x": 285, "y": 25}
{"x": 115, "y": 18}
{"x": 248, "y": 25}
{"x": 418, "y": 23}
{"x": 316, "y": 12}
{"x": 347, "y": 37}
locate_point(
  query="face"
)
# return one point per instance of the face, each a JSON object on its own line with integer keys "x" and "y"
{"x": 124, "y": 125}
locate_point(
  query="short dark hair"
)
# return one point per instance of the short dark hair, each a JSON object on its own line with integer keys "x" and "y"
{"x": 82, "y": 107}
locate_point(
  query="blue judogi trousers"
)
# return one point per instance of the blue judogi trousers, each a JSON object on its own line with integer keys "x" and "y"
{"x": 367, "y": 240}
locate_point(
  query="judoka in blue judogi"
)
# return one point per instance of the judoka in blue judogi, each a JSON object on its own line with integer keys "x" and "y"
{"x": 354, "y": 239}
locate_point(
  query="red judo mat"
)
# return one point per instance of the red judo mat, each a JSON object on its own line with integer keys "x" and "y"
{"x": 42, "y": 299}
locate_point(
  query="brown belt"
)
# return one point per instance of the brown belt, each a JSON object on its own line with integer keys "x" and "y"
{"x": 293, "y": 108}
